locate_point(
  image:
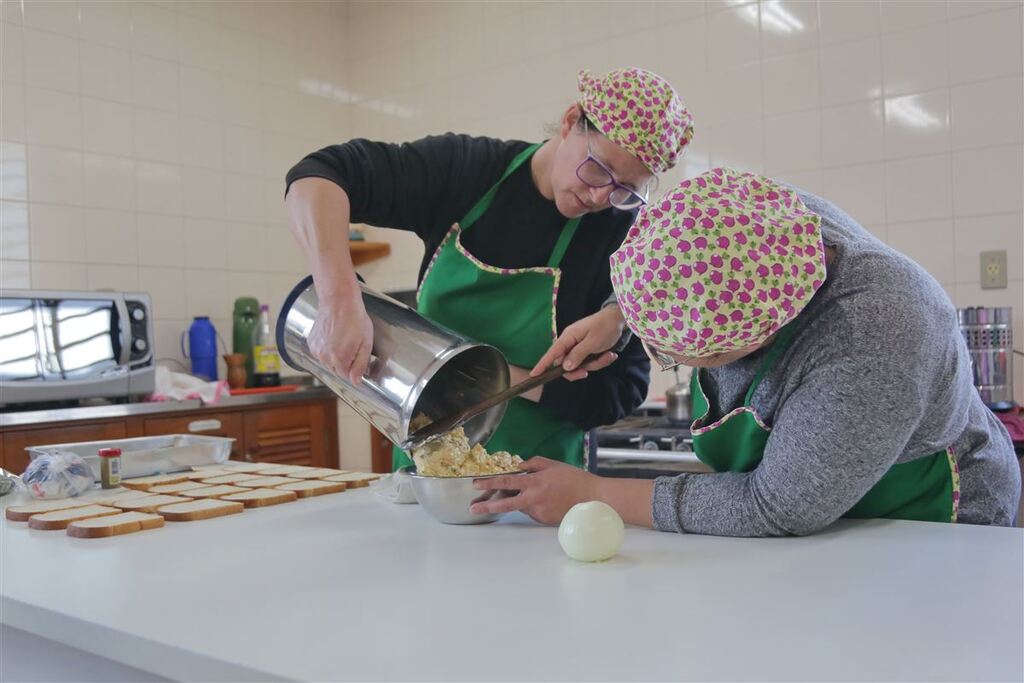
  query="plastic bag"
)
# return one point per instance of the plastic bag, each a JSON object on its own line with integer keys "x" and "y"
{"x": 395, "y": 488}
{"x": 8, "y": 482}
{"x": 60, "y": 474}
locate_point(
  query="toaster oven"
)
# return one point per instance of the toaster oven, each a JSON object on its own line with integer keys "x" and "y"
{"x": 62, "y": 346}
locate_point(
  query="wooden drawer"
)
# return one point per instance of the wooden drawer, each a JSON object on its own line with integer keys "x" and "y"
{"x": 16, "y": 458}
{"x": 297, "y": 435}
{"x": 207, "y": 424}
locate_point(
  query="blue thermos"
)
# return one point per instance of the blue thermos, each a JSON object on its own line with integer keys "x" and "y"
{"x": 202, "y": 348}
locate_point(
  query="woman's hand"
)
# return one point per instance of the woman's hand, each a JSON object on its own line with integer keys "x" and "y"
{"x": 551, "y": 488}
{"x": 342, "y": 338}
{"x": 593, "y": 334}
{"x": 545, "y": 494}
{"x": 342, "y": 335}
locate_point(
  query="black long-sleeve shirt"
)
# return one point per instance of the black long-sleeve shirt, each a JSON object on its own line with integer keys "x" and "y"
{"x": 427, "y": 185}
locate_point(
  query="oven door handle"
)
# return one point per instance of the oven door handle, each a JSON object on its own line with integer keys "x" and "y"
{"x": 682, "y": 457}
{"x": 125, "y": 326}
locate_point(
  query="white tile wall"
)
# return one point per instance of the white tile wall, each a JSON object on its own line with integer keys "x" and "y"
{"x": 897, "y": 101}
{"x": 145, "y": 143}
{"x": 135, "y": 151}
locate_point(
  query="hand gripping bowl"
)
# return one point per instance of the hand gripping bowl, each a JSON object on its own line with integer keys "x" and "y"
{"x": 448, "y": 499}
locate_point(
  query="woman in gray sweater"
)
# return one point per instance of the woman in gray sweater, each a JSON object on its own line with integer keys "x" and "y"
{"x": 830, "y": 376}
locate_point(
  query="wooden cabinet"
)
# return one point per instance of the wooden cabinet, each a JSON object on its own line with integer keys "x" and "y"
{"x": 206, "y": 424}
{"x": 296, "y": 436}
{"x": 364, "y": 252}
{"x": 301, "y": 432}
{"x": 15, "y": 457}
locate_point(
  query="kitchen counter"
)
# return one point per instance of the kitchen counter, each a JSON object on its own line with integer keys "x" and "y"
{"x": 118, "y": 410}
{"x": 346, "y": 587}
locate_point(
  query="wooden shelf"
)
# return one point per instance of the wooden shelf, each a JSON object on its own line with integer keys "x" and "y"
{"x": 364, "y": 252}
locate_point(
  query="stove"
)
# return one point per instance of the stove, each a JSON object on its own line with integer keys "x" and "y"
{"x": 644, "y": 445}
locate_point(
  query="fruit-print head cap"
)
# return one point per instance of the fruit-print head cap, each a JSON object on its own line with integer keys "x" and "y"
{"x": 640, "y": 112}
{"x": 721, "y": 262}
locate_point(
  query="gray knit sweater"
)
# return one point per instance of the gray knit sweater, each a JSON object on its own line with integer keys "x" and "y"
{"x": 876, "y": 374}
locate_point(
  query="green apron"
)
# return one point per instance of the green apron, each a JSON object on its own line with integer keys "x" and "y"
{"x": 512, "y": 309}
{"x": 926, "y": 489}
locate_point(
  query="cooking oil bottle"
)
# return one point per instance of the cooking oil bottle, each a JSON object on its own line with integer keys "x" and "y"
{"x": 266, "y": 360}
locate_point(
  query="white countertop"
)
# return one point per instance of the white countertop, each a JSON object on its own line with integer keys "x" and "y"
{"x": 345, "y": 587}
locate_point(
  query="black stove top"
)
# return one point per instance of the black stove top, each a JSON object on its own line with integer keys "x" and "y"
{"x": 650, "y": 432}
{"x": 644, "y": 445}
{"x": 653, "y": 425}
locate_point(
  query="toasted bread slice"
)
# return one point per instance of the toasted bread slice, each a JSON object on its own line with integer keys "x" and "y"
{"x": 147, "y": 503}
{"x": 316, "y": 473}
{"x": 266, "y": 482}
{"x": 314, "y": 487}
{"x": 230, "y": 478}
{"x": 254, "y": 498}
{"x": 243, "y": 466}
{"x": 282, "y": 470}
{"x": 119, "y": 494}
{"x": 146, "y": 483}
{"x": 114, "y": 525}
{"x": 180, "y": 488}
{"x": 355, "y": 480}
{"x": 208, "y": 473}
{"x": 214, "y": 491}
{"x": 21, "y": 513}
{"x": 59, "y": 519}
{"x": 194, "y": 510}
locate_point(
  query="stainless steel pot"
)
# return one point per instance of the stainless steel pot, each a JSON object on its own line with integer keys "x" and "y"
{"x": 416, "y": 366}
{"x": 677, "y": 401}
{"x": 989, "y": 336}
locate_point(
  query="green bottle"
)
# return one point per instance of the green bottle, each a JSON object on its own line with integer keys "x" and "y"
{"x": 247, "y": 311}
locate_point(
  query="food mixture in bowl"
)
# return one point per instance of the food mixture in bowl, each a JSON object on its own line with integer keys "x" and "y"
{"x": 450, "y": 455}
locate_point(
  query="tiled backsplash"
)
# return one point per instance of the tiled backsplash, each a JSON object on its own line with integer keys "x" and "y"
{"x": 910, "y": 115}
{"x": 145, "y": 144}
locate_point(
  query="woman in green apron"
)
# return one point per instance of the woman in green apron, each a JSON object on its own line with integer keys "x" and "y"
{"x": 517, "y": 242}
{"x": 830, "y": 377}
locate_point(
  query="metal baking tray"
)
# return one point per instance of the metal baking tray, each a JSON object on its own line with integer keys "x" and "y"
{"x": 148, "y": 455}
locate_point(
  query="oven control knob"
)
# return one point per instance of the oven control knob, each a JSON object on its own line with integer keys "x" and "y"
{"x": 138, "y": 315}
{"x": 139, "y": 345}
{"x": 649, "y": 446}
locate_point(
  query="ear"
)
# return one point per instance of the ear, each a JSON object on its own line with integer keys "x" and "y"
{"x": 569, "y": 119}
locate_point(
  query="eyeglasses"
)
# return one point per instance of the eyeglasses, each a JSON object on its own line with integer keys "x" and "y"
{"x": 662, "y": 360}
{"x": 595, "y": 174}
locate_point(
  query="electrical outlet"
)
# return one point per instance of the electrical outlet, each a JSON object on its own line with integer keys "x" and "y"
{"x": 993, "y": 269}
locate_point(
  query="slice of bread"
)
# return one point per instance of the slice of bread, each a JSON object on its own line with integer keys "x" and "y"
{"x": 119, "y": 494}
{"x": 315, "y": 487}
{"x": 316, "y": 473}
{"x": 59, "y": 519}
{"x": 21, "y": 513}
{"x": 266, "y": 482}
{"x": 147, "y": 503}
{"x": 208, "y": 473}
{"x": 146, "y": 483}
{"x": 230, "y": 478}
{"x": 181, "y": 487}
{"x": 282, "y": 470}
{"x": 243, "y": 466}
{"x": 214, "y": 491}
{"x": 355, "y": 480}
{"x": 254, "y": 498}
{"x": 194, "y": 510}
{"x": 114, "y": 525}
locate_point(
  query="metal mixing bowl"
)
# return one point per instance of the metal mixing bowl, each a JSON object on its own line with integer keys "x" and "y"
{"x": 448, "y": 498}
